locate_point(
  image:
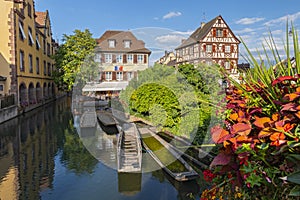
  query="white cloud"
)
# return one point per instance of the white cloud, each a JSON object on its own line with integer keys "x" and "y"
{"x": 171, "y": 15}
{"x": 172, "y": 40}
{"x": 186, "y": 33}
{"x": 274, "y": 32}
{"x": 247, "y": 21}
{"x": 245, "y": 30}
{"x": 283, "y": 19}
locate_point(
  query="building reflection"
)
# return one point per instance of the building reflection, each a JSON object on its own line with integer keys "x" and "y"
{"x": 28, "y": 145}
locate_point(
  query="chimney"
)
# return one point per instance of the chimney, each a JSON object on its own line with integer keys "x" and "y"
{"x": 202, "y": 24}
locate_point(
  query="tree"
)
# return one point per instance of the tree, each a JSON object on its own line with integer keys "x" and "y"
{"x": 75, "y": 59}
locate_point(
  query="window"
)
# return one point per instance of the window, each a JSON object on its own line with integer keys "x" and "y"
{"x": 38, "y": 45}
{"x": 127, "y": 43}
{"x": 111, "y": 43}
{"x": 140, "y": 58}
{"x": 191, "y": 50}
{"x": 227, "y": 49}
{"x": 209, "y": 63}
{"x": 1, "y": 88}
{"x": 22, "y": 64}
{"x": 45, "y": 68}
{"x": 227, "y": 65}
{"x": 48, "y": 49}
{"x": 119, "y": 76}
{"x": 119, "y": 58}
{"x": 219, "y": 33}
{"x": 108, "y": 58}
{"x": 29, "y": 10}
{"x": 21, "y": 31}
{"x": 98, "y": 57}
{"x": 209, "y": 48}
{"x": 129, "y": 58}
{"x": 108, "y": 76}
{"x": 30, "y": 63}
{"x": 49, "y": 69}
{"x": 30, "y": 41}
{"x": 129, "y": 76}
{"x": 44, "y": 45}
{"x": 37, "y": 65}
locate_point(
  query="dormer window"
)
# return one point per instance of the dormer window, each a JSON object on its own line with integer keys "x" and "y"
{"x": 127, "y": 43}
{"x": 111, "y": 43}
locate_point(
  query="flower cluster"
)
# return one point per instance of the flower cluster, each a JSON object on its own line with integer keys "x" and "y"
{"x": 259, "y": 139}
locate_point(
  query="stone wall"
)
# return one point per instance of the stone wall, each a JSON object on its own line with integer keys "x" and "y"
{"x": 8, "y": 113}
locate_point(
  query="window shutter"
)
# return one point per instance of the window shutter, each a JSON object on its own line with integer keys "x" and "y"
{"x": 214, "y": 48}
{"x": 231, "y": 49}
{"x": 225, "y": 33}
{"x": 223, "y": 48}
{"x": 124, "y": 58}
{"x": 214, "y": 32}
{"x": 114, "y": 58}
{"x": 145, "y": 59}
{"x": 204, "y": 47}
{"x": 102, "y": 58}
{"x": 135, "y": 59}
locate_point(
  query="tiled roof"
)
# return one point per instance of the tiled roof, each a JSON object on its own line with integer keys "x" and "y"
{"x": 107, "y": 35}
{"x": 199, "y": 33}
{"x": 136, "y": 46}
{"x": 40, "y": 18}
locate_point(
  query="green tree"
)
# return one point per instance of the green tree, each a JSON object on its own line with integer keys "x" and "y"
{"x": 75, "y": 60}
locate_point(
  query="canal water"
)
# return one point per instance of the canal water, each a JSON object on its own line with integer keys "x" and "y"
{"x": 42, "y": 157}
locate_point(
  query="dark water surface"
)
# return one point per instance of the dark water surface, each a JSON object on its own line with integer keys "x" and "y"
{"x": 42, "y": 157}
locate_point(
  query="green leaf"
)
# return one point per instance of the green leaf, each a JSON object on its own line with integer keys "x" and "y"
{"x": 293, "y": 144}
{"x": 294, "y": 156}
{"x": 293, "y": 178}
{"x": 295, "y": 192}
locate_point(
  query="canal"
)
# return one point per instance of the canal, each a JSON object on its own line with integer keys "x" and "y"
{"x": 42, "y": 157}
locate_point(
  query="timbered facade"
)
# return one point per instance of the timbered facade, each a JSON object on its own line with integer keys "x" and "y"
{"x": 211, "y": 43}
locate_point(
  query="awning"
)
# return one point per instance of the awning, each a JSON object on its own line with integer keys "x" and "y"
{"x": 106, "y": 86}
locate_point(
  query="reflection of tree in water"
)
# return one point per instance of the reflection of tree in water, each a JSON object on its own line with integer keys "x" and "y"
{"x": 75, "y": 156}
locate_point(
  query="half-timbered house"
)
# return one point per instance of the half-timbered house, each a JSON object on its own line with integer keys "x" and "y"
{"x": 212, "y": 43}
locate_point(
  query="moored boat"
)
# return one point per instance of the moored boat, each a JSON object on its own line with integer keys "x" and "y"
{"x": 181, "y": 171}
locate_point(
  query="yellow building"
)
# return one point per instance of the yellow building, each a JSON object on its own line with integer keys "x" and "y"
{"x": 26, "y": 47}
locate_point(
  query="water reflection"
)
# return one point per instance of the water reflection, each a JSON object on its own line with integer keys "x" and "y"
{"x": 42, "y": 157}
{"x": 129, "y": 184}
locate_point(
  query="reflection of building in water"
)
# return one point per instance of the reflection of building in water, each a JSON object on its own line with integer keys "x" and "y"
{"x": 28, "y": 152}
{"x": 8, "y": 173}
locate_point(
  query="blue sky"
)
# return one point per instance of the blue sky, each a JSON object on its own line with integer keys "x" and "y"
{"x": 162, "y": 24}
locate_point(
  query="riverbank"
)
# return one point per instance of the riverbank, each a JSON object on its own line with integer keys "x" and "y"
{"x": 14, "y": 111}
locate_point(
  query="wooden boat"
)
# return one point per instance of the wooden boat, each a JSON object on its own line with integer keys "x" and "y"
{"x": 106, "y": 118}
{"x": 88, "y": 123}
{"x": 185, "y": 175}
{"x": 129, "y": 149}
